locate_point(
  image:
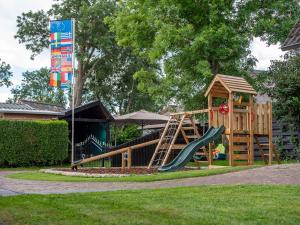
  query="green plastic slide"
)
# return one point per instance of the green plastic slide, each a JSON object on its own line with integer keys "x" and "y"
{"x": 187, "y": 153}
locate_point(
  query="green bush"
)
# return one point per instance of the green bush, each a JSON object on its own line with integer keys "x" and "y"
{"x": 31, "y": 143}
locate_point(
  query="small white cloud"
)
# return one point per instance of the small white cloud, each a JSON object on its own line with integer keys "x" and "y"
{"x": 264, "y": 53}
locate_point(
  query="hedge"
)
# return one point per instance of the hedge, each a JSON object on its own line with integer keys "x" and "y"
{"x": 33, "y": 143}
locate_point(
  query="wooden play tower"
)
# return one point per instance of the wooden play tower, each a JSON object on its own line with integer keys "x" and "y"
{"x": 245, "y": 122}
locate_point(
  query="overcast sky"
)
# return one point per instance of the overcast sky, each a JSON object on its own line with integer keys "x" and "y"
{"x": 19, "y": 58}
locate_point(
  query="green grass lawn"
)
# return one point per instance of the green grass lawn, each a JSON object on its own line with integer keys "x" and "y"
{"x": 36, "y": 175}
{"x": 254, "y": 204}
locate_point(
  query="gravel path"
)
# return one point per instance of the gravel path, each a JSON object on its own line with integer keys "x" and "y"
{"x": 277, "y": 174}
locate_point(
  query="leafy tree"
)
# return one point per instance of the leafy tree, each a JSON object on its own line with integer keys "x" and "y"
{"x": 35, "y": 86}
{"x": 282, "y": 84}
{"x": 194, "y": 39}
{"x": 5, "y": 74}
{"x": 115, "y": 86}
{"x": 93, "y": 40}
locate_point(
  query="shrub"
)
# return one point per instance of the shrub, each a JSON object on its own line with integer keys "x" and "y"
{"x": 31, "y": 143}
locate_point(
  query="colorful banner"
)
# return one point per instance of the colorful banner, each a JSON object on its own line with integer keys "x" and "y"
{"x": 61, "y": 44}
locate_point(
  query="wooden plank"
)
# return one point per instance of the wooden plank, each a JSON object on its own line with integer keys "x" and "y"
{"x": 260, "y": 122}
{"x": 230, "y": 142}
{"x": 210, "y": 155}
{"x": 240, "y": 156}
{"x": 251, "y": 145}
{"x": 215, "y": 118}
{"x": 266, "y": 125}
{"x": 123, "y": 160}
{"x": 191, "y": 112}
{"x": 178, "y": 146}
{"x": 270, "y": 131}
{"x": 196, "y": 132}
{"x": 186, "y": 139}
{"x": 192, "y": 136}
{"x": 187, "y": 128}
{"x": 239, "y": 147}
{"x": 241, "y": 139}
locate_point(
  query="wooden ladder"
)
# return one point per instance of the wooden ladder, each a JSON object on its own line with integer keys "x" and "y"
{"x": 240, "y": 151}
{"x": 261, "y": 148}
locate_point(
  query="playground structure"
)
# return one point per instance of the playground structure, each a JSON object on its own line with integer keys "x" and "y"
{"x": 240, "y": 123}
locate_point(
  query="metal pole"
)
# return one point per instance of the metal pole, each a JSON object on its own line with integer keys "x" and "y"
{"x": 73, "y": 86}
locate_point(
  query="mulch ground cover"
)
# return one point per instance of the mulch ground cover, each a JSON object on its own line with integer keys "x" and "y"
{"x": 136, "y": 170}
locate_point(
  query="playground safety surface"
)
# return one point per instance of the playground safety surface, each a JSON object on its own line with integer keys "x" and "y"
{"x": 276, "y": 174}
{"x": 136, "y": 170}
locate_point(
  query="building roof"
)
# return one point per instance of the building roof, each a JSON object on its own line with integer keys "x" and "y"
{"x": 293, "y": 39}
{"x": 44, "y": 106}
{"x": 142, "y": 117}
{"x": 224, "y": 84}
{"x": 94, "y": 110}
{"x": 27, "y": 107}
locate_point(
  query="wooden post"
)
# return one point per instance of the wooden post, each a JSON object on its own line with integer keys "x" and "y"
{"x": 270, "y": 133}
{"x": 230, "y": 117}
{"x": 129, "y": 158}
{"x": 123, "y": 160}
{"x": 251, "y": 145}
{"x": 210, "y": 156}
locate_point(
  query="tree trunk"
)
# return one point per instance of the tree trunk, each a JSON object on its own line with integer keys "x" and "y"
{"x": 78, "y": 89}
{"x": 214, "y": 65}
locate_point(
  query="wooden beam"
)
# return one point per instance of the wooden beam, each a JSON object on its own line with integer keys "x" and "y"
{"x": 190, "y": 112}
{"x": 210, "y": 155}
{"x": 113, "y": 153}
{"x": 270, "y": 128}
{"x": 251, "y": 145}
{"x": 129, "y": 158}
{"x": 123, "y": 160}
{"x": 230, "y": 140}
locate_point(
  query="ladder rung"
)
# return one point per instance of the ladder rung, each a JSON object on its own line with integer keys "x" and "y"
{"x": 264, "y": 145}
{"x": 188, "y": 128}
{"x": 191, "y": 136}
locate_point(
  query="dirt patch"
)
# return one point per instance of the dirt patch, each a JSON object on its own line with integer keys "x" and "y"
{"x": 135, "y": 170}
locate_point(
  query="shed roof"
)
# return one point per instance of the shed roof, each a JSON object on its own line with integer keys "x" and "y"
{"x": 24, "y": 108}
{"x": 231, "y": 84}
{"x": 91, "y": 110}
{"x": 293, "y": 39}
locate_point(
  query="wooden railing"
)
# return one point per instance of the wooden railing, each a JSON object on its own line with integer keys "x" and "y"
{"x": 259, "y": 116}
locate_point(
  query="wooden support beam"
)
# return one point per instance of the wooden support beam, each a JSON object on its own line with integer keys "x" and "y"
{"x": 230, "y": 140}
{"x": 251, "y": 128}
{"x": 113, "y": 153}
{"x": 270, "y": 128}
{"x": 123, "y": 160}
{"x": 129, "y": 158}
{"x": 190, "y": 112}
{"x": 210, "y": 155}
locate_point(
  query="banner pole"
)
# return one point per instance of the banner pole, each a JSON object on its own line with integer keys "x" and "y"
{"x": 73, "y": 89}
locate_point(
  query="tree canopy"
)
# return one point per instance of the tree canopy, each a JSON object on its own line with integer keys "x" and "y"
{"x": 192, "y": 40}
{"x": 282, "y": 84}
{"x": 97, "y": 52}
{"x": 5, "y": 74}
{"x": 35, "y": 86}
